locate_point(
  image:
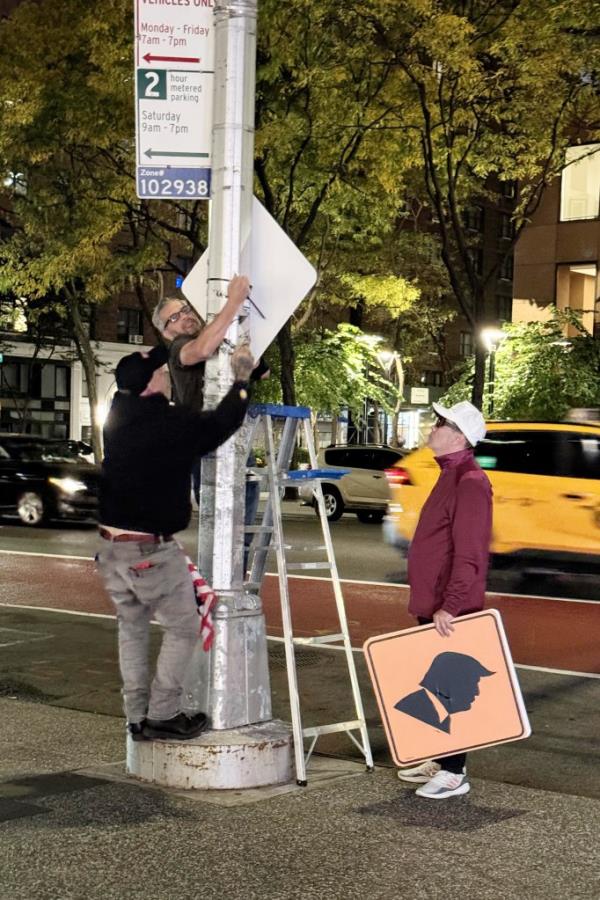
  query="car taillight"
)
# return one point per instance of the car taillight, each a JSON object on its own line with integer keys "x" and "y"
{"x": 397, "y": 476}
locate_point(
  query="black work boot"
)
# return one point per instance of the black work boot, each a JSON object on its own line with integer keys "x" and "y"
{"x": 135, "y": 730}
{"x": 179, "y": 728}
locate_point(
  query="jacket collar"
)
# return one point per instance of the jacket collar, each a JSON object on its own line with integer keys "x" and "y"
{"x": 452, "y": 460}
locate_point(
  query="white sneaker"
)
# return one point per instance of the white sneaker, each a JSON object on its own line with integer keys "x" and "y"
{"x": 420, "y": 773}
{"x": 444, "y": 784}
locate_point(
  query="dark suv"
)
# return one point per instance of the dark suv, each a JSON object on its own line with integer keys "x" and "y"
{"x": 364, "y": 490}
{"x": 44, "y": 478}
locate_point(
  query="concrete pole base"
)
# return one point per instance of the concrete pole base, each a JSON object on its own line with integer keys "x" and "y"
{"x": 247, "y": 757}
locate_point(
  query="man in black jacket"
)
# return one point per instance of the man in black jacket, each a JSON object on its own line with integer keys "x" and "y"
{"x": 150, "y": 447}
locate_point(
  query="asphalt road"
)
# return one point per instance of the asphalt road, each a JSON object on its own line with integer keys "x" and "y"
{"x": 361, "y": 553}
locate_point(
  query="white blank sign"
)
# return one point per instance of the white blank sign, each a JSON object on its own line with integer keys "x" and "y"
{"x": 280, "y": 276}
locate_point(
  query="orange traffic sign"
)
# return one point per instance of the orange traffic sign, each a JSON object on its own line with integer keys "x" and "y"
{"x": 439, "y": 696}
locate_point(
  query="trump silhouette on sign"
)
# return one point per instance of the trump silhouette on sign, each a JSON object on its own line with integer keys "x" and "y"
{"x": 450, "y": 685}
{"x": 441, "y": 696}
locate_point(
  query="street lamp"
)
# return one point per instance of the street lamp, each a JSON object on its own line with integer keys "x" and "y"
{"x": 491, "y": 339}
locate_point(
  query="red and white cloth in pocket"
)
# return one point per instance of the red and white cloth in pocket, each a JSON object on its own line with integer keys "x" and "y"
{"x": 206, "y": 600}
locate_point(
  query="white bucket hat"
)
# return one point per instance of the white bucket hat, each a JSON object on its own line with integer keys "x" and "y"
{"x": 466, "y": 417}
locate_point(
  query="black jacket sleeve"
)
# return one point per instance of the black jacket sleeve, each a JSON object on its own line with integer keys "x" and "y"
{"x": 261, "y": 369}
{"x": 207, "y": 430}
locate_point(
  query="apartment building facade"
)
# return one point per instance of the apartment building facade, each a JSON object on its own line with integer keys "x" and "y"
{"x": 43, "y": 389}
{"x": 557, "y": 257}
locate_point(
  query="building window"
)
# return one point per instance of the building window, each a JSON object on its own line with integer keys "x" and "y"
{"x": 35, "y": 397}
{"x": 507, "y": 226}
{"x": 465, "y": 347}
{"x": 506, "y": 268}
{"x": 504, "y": 309}
{"x": 62, "y": 382}
{"x": 508, "y": 189}
{"x": 476, "y": 256}
{"x": 577, "y": 289}
{"x": 473, "y": 218}
{"x": 580, "y": 183}
{"x": 431, "y": 378}
{"x": 15, "y": 378}
{"x": 129, "y": 325}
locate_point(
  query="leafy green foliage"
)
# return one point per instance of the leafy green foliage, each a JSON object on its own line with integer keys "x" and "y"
{"x": 487, "y": 92}
{"x": 539, "y": 374}
{"x": 370, "y": 121}
{"x": 334, "y": 370}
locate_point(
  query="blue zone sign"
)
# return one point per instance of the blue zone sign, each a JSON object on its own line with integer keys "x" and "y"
{"x": 156, "y": 182}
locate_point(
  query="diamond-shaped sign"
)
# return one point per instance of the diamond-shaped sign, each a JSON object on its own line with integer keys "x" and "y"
{"x": 279, "y": 274}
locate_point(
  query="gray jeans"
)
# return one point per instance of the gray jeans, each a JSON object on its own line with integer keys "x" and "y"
{"x": 145, "y": 582}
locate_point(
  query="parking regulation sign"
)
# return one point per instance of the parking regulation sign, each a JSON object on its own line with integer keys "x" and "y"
{"x": 174, "y": 62}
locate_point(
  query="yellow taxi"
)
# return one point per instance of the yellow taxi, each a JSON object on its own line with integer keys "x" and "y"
{"x": 546, "y": 482}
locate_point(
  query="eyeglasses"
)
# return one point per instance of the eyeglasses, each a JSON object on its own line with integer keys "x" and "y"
{"x": 440, "y": 422}
{"x": 175, "y": 317}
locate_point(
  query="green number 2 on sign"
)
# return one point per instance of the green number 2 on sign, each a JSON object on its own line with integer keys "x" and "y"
{"x": 152, "y": 85}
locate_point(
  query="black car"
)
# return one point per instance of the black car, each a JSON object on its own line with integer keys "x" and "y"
{"x": 44, "y": 478}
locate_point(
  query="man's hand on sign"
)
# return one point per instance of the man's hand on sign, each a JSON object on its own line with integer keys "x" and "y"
{"x": 237, "y": 290}
{"x": 443, "y": 622}
{"x": 242, "y": 362}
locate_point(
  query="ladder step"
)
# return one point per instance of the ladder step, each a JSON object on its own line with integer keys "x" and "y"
{"x": 316, "y": 730}
{"x": 259, "y": 529}
{"x": 306, "y": 549}
{"x": 308, "y": 565}
{"x": 321, "y": 639}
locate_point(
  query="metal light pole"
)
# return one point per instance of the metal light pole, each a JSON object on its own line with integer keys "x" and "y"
{"x": 232, "y": 682}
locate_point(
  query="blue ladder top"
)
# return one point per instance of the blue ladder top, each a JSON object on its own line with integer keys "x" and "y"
{"x": 277, "y": 411}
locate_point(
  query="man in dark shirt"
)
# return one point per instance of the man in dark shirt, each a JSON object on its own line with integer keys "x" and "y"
{"x": 448, "y": 559}
{"x": 150, "y": 447}
{"x": 191, "y": 343}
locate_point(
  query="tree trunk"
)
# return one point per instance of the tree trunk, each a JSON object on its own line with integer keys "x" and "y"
{"x": 398, "y": 372}
{"x": 286, "y": 352}
{"x": 147, "y": 306}
{"x": 87, "y": 358}
{"x": 394, "y": 437}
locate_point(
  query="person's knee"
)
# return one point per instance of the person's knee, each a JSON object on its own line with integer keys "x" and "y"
{"x": 185, "y": 628}
{"x": 134, "y": 630}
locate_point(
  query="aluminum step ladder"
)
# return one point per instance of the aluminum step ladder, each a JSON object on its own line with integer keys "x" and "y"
{"x": 269, "y": 534}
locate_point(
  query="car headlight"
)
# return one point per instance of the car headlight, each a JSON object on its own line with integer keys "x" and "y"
{"x": 68, "y": 485}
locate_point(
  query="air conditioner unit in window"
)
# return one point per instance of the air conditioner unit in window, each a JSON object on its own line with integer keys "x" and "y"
{"x": 136, "y": 338}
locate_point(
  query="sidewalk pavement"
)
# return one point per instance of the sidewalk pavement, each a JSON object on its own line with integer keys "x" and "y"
{"x": 73, "y": 827}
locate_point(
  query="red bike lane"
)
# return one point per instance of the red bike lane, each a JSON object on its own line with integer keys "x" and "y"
{"x": 553, "y": 633}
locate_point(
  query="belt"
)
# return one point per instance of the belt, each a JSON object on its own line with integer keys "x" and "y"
{"x": 138, "y": 538}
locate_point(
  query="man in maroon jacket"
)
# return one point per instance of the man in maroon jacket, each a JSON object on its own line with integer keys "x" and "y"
{"x": 448, "y": 560}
